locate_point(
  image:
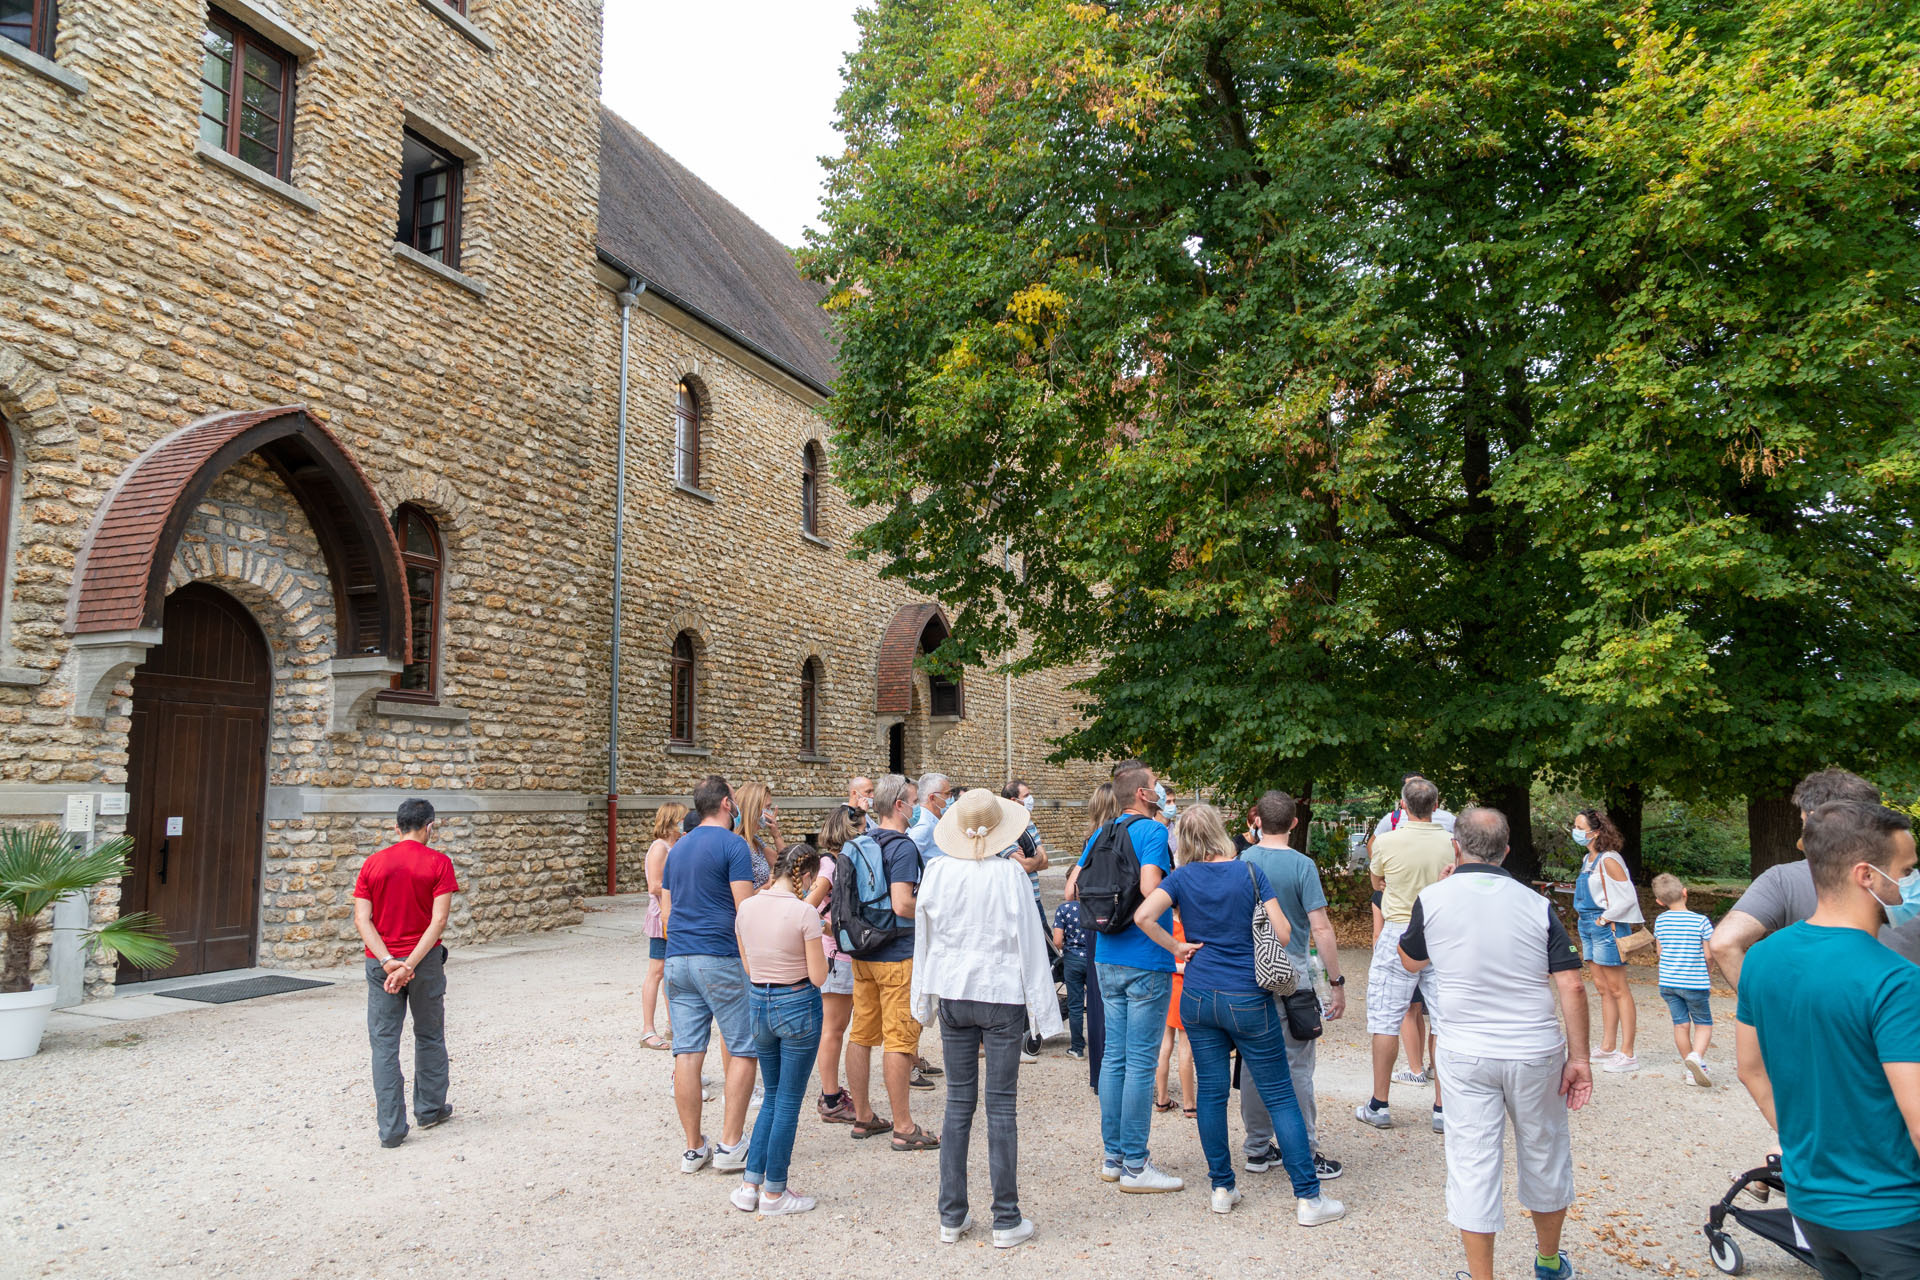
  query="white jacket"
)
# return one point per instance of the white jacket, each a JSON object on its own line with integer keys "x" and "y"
{"x": 976, "y": 936}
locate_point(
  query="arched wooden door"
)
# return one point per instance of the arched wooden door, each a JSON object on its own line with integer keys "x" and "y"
{"x": 197, "y": 777}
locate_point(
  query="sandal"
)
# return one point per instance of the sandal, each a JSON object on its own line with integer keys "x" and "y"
{"x": 872, "y": 1128}
{"x": 1189, "y": 1113}
{"x": 915, "y": 1139}
{"x": 1163, "y": 1104}
{"x": 653, "y": 1041}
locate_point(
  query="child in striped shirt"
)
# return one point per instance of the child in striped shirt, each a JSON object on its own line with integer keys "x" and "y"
{"x": 1685, "y": 981}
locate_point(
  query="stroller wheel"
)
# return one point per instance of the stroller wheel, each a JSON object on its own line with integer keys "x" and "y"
{"x": 1726, "y": 1255}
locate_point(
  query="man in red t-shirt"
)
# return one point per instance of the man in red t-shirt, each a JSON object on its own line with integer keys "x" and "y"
{"x": 400, "y": 907}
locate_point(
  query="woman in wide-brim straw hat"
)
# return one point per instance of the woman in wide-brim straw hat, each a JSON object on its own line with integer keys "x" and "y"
{"x": 978, "y": 955}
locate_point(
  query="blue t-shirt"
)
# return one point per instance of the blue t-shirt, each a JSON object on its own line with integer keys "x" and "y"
{"x": 900, "y": 861}
{"x": 698, "y": 880}
{"x": 1073, "y": 934}
{"x": 1131, "y": 947}
{"x": 1683, "y": 964}
{"x": 1216, "y": 907}
{"x": 1830, "y": 1006}
{"x": 1296, "y": 884}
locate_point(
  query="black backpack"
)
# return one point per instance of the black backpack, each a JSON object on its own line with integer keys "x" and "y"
{"x": 1109, "y": 883}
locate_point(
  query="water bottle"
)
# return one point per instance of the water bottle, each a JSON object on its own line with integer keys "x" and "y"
{"x": 1322, "y": 990}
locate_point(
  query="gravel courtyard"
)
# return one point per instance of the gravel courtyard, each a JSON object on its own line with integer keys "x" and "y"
{"x": 238, "y": 1140}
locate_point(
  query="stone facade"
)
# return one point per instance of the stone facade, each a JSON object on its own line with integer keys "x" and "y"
{"x": 146, "y": 286}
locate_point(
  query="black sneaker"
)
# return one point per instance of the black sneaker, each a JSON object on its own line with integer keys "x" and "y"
{"x": 439, "y": 1117}
{"x": 1268, "y": 1159}
{"x": 918, "y": 1080}
{"x": 1327, "y": 1170}
{"x": 926, "y": 1068}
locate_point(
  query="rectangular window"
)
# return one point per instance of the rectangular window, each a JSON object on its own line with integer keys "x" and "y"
{"x": 30, "y": 23}
{"x": 429, "y": 199}
{"x": 246, "y": 95}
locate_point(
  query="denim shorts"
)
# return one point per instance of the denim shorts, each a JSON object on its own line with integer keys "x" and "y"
{"x": 703, "y": 990}
{"x": 656, "y": 948}
{"x": 1600, "y": 941}
{"x": 1687, "y": 1005}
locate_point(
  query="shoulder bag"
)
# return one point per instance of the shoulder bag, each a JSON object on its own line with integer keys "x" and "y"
{"x": 1272, "y": 966}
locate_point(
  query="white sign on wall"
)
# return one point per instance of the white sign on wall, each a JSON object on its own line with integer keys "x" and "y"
{"x": 80, "y": 812}
{"x": 174, "y": 826}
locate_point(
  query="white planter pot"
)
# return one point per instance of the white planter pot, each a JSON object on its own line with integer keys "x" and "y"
{"x": 23, "y": 1016}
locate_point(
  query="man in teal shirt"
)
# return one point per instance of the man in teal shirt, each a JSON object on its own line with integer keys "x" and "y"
{"x": 1829, "y": 1046}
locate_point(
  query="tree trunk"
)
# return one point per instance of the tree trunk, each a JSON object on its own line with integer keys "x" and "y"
{"x": 1773, "y": 832}
{"x": 1303, "y": 814}
{"x": 1627, "y": 808}
{"x": 1515, "y": 799}
{"x": 16, "y": 972}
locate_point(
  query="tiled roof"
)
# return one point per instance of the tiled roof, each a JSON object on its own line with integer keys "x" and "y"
{"x": 702, "y": 253}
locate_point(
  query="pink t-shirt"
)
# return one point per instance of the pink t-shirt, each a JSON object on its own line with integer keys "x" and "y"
{"x": 825, "y": 875}
{"x": 774, "y": 927}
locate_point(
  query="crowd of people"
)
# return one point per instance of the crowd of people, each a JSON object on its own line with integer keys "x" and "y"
{"x": 916, "y": 905}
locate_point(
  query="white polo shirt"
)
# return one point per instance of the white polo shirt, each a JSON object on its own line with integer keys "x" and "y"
{"x": 1493, "y": 943}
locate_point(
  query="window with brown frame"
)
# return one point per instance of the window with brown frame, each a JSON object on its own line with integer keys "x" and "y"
{"x": 246, "y": 95}
{"x": 686, "y": 436}
{"x": 421, "y": 557}
{"x": 810, "y": 489}
{"x": 809, "y": 708}
{"x": 30, "y": 23}
{"x": 684, "y": 673}
{"x": 430, "y": 188}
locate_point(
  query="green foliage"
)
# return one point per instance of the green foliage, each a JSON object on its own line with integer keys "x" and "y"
{"x": 1497, "y": 388}
{"x": 38, "y": 867}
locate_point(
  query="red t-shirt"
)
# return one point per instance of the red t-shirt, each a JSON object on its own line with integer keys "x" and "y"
{"x": 401, "y": 881}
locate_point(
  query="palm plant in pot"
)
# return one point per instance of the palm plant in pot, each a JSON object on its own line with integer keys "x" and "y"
{"x": 38, "y": 867}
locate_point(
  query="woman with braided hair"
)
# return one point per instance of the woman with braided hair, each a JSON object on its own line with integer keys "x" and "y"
{"x": 780, "y": 945}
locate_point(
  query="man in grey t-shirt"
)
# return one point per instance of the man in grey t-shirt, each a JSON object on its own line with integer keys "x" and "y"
{"x": 1784, "y": 895}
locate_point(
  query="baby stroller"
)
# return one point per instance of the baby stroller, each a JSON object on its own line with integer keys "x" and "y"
{"x": 1776, "y": 1225}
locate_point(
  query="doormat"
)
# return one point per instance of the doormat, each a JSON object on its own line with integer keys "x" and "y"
{"x": 242, "y": 989}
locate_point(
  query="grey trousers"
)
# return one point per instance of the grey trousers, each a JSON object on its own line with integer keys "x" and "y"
{"x": 964, "y": 1026}
{"x": 1301, "y": 1056}
{"x": 426, "y": 996}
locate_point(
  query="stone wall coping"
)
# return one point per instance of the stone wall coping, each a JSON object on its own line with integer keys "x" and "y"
{"x": 408, "y": 253}
{"x": 268, "y": 22}
{"x": 46, "y": 68}
{"x": 443, "y": 137}
{"x": 22, "y": 677}
{"x": 285, "y": 803}
{"x": 258, "y": 177}
{"x": 461, "y": 23}
{"x": 814, "y": 758}
{"x": 683, "y": 487}
{"x": 46, "y": 799}
{"x": 409, "y": 709}
{"x": 682, "y": 749}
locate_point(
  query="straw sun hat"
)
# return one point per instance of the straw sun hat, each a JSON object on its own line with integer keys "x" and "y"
{"x": 978, "y": 825}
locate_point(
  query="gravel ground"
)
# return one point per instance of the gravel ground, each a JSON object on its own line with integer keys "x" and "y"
{"x": 239, "y": 1140}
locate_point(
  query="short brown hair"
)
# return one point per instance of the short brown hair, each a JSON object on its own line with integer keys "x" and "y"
{"x": 1128, "y": 782}
{"x": 1277, "y": 811}
{"x": 1829, "y": 785}
{"x": 1421, "y": 798}
{"x": 1844, "y": 833}
{"x": 1667, "y": 889}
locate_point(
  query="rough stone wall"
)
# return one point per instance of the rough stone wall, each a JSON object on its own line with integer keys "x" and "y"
{"x": 143, "y": 287}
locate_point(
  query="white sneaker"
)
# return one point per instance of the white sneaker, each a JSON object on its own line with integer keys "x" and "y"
{"x": 1403, "y": 1076}
{"x": 1013, "y": 1235}
{"x": 1322, "y": 1208}
{"x": 1366, "y": 1114}
{"x": 1601, "y": 1057}
{"x": 1621, "y": 1064}
{"x": 746, "y": 1198}
{"x": 788, "y": 1201}
{"x": 1110, "y": 1171}
{"x": 728, "y": 1159}
{"x": 1150, "y": 1181}
{"x": 1439, "y": 1120}
{"x": 695, "y": 1160}
{"x": 951, "y": 1235}
{"x": 1224, "y": 1198}
{"x": 1698, "y": 1070}
{"x": 1026, "y": 1055}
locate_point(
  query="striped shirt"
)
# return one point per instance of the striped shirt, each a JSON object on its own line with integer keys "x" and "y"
{"x": 1683, "y": 965}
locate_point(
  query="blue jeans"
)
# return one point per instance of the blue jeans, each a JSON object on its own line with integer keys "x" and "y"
{"x": 1136, "y": 1012}
{"x": 786, "y": 1033}
{"x": 1221, "y": 1021}
{"x": 1074, "y": 969}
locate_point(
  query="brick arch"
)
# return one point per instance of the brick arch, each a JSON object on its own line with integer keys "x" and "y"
{"x": 452, "y": 515}
{"x": 692, "y": 621}
{"x": 120, "y": 580}
{"x": 893, "y": 678}
{"x": 28, "y": 399}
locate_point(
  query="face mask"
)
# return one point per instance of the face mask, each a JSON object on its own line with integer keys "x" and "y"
{"x": 734, "y": 822}
{"x": 1581, "y": 835}
{"x": 1160, "y": 793}
{"x": 1898, "y": 913}
{"x": 1027, "y": 804}
{"x": 914, "y": 821}
{"x": 766, "y": 822}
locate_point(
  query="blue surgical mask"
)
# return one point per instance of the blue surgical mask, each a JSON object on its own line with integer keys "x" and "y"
{"x": 1898, "y": 913}
{"x": 1581, "y": 835}
{"x": 914, "y": 821}
{"x": 1160, "y": 793}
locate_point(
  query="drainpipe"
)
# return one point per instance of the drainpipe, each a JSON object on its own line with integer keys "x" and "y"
{"x": 1009, "y": 675}
{"x": 634, "y": 289}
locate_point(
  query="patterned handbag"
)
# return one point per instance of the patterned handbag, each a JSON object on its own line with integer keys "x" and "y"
{"x": 1272, "y": 965}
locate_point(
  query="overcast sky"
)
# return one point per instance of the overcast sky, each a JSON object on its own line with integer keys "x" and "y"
{"x": 739, "y": 91}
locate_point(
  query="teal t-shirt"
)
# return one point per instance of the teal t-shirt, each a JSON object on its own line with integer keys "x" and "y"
{"x": 1130, "y": 946}
{"x": 1830, "y": 1006}
{"x": 1296, "y": 885}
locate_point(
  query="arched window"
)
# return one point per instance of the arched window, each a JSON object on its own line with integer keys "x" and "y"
{"x": 810, "y": 708}
{"x": 421, "y": 557}
{"x": 810, "y": 489}
{"x": 684, "y": 685}
{"x": 686, "y": 436}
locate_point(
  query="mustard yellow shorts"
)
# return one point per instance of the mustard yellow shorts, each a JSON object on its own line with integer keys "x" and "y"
{"x": 883, "y": 1006}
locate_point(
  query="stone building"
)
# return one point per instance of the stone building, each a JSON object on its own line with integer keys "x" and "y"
{"x": 311, "y": 319}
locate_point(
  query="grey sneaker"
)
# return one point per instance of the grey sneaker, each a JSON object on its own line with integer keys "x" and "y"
{"x": 788, "y": 1201}
{"x": 1150, "y": 1181}
{"x": 726, "y": 1159}
{"x": 1379, "y": 1119}
{"x": 1439, "y": 1121}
